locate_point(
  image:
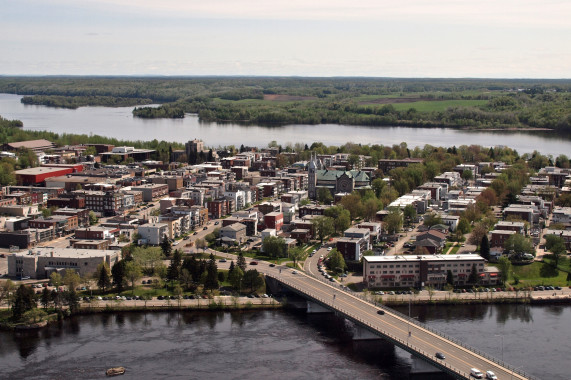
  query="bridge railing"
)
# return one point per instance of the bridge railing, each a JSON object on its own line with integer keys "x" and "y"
{"x": 426, "y": 327}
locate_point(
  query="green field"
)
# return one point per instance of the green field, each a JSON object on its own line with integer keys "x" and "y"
{"x": 538, "y": 273}
{"x": 437, "y": 105}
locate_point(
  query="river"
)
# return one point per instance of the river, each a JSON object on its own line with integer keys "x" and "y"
{"x": 274, "y": 344}
{"x": 119, "y": 123}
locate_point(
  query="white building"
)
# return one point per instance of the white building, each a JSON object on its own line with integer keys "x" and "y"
{"x": 153, "y": 233}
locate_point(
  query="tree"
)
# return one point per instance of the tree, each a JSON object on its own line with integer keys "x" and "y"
{"x": 211, "y": 281}
{"x": 241, "y": 262}
{"x": 274, "y": 246}
{"x": 473, "y": 278}
{"x": 323, "y": 226}
{"x": 449, "y": 277}
{"x": 186, "y": 278}
{"x": 463, "y": 226}
{"x": 336, "y": 261}
{"x": 477, "y": 234}
{"x": 72, "y": 300}
{"x": 432, "y": 219}
{"x": 485, "y": 248}
{"x": 370, "y": 208}
{"x": 353, "y": 204}
{"x": 393, "y": 221}
{"x": 166, "y": 246}
{"x": 45, "y": 298}
{"x": 71, "y": 279}
{"x": 557, "y": 250}
{"x": 519, "y": 244}
{"x": 252, "y": 280}
{"x": 24, "y": 300}
{"x": 378, "y": 185}
{"x": 296, "y": 254}
{"x": 6, "y": 290}
{"x": 118, "y": 274}
{"x": 173, "y": 272}
{"x": 55, "y": 279}
{"x": 341, "y": 217}
{"x": 409, "y": 213}
{"x": 147, "y": 258}
{"x": 467, "y": 175}
{"x": 504, "y": 265}
{"x": 235, "y": 277}
{"x": 103, "y": 277}
{"x": 133, "y": 272}
{"x": 92, "y": 218}
{"x": 324, "y": 195}
{"x": 34, "y": 316}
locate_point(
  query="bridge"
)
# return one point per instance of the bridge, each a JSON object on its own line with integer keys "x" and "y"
{"x": 404, "y": 332}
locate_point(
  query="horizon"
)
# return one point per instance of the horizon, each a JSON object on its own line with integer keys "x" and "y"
{"x": 512, "y": 39}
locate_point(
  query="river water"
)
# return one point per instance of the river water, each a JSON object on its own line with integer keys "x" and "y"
{"x": 119, "y": 123}
{"x": 273, "y": 344}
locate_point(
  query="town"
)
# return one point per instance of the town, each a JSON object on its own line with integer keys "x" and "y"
{"x": 100, "y": 217}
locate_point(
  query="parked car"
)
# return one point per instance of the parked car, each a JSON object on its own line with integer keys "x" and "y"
{"x": 253, "y": 263}
{"x": 205, "y": 228}
{"x": 222, "y": 260}
{"x": 216, "y": 223}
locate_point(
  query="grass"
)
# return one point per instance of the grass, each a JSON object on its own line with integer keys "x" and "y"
{"x": 437, "y": 105}
{"x": 538, "y": 273}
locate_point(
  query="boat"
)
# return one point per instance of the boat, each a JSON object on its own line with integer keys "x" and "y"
{"x": 115, "y": 371}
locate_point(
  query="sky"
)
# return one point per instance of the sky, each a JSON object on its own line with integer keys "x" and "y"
{"x": 373, "y": 38}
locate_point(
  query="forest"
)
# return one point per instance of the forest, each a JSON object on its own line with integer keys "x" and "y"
{"x": 452, "y": 103}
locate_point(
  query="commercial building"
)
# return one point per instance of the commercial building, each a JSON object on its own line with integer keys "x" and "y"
{"x": 36, "y": 176}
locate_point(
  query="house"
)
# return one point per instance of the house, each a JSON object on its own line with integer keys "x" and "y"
{"x": 153, "y": 233}
{"x": 233, "y": 233}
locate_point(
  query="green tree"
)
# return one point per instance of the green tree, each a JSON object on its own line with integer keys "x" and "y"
{"x": 72, "y": 300}
{"x": 504, "y": 265}
{"x": 6, "y": 290}
{"x": 393, "y": 221}
{"x": 409, "y": 213}
{"x": 557, "y": 251}
{"x": 323, "y": 226}
{"x": 147, "y": 258}
{"x": 473, "y": 278}
{"x": 103, "y": 277}
{"x": 46, "y": 298}
{"x": 252, "y": 280}
{"x": 485, "y": 248}
{"x": 341, "y": 217}
{"x": 324, "y": 195}
{"x": 478, "y": 233}
{"x": 336, "y": 261}
{"x": 173, "y": 272}
{"x": 449, "y": 277}
{"x": 353, "y": 204}
{"x": 235, "y": 277}
{"x": 133, "y": 272}
{"x": 211, "y": 281}
{"x": 378, "y": 185}
{"x": 71, "y": 279}
{"x": 519, "y": 244}
{"x": 296, "y": 254}
{"x": 92, "y": 218}
{"x": 432, "y": 219}
{"x": 241, "y": 262}
{"x": 55, "y": 279}
{"x": 274, "y": 246}
{"x": 463, "y": 226}
{"x": 370, "y": 208}
{"x": 467, "y": 175}
{"x": 34, "y": 316}
{"x": 166, "y": 246}
{"x": 24, "y": 300}
{"x": 118, "y": 274}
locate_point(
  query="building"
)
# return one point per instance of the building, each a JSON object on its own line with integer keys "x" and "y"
{"x": 417, "y": 271}
{"x": 499, "y": 237}
{"x": 153, "y": 233}
{"x": 563, "y": 234}
{"x": 41, "y": 262}
{"x": 152, "y": 191}
{"x": 561, "y": 215}
{"x": 386, "y": 165}
{"x": 234, "y": 233}
{"x": 505, "y": 225}
{"x": 34, "y": 145}
{"x": 38, "y": 175}
{"x": 274, "y": 220}
{"x": 96, "y": 233}
{"x": 336, "y": 181}
{"x": 352, "y": 248}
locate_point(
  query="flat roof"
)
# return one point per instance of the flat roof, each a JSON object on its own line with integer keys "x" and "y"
{"x": 39, "y": 170}
{"x": 74, "y": 253}
{"x": 415, "y": 258}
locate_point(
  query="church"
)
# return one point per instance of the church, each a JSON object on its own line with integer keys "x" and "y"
{"x": 336, "y": 181}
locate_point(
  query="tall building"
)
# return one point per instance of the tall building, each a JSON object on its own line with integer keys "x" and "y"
{"x": 194, "y": 147}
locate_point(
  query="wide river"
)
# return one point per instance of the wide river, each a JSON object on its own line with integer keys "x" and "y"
{"x": 274, "y": 344}
{"x": 120, "y": 123}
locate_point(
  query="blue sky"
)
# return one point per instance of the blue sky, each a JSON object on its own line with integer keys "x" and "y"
{"x": 406, "y": 38}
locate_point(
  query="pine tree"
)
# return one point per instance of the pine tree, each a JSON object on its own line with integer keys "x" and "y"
{"x": 241, "y": 262}
{"x": 104, "y": 279}
{"x": 473, "y": 278}
{"x": 211, "y": 281}
{"x": 449, "y": 278}
{"x": 175, "y": 266}
{"x": 118, "y": 273}
{"x": 166, "y": 246}
{"x": 485, "y": 248}
{"x": 24, "y": 300}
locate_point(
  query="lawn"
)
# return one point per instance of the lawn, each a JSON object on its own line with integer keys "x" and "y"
{"x": 538, "y": 273}
{"x": 437, "y": 105}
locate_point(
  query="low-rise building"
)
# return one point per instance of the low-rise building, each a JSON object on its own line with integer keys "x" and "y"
{"x": 41, "y": 262}
{"x": 235, "y": 232}
{"x": 153, "y": 233}
{"x": 417, "y": 271}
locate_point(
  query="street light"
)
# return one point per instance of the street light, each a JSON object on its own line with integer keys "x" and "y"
{"x": 500, "y": 335}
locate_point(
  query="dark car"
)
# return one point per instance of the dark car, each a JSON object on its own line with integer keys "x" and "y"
{"x": 253, "y": 263}
{"x": 205, "y": 228}
{"x": 440, "y": 355}
{"x": 272, "y": 265}
{"x": 380, "y": 312}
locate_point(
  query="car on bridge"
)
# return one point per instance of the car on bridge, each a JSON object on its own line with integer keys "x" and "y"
{"x": 474, "y": 372}
{"x": 491, "y": 375}
{"x": 440, "y": 355}
{"x": 381, "y": 312}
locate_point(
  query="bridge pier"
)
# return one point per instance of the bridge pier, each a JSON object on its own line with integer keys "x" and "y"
{"x": 360, "y": 333}
{"x": 420, "y": 369}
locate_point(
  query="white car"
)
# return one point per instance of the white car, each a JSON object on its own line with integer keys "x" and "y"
{"x": 490, "y": 375}
{"x": 474, "y": 372}
{"x": 294, "y": 272}
{"x": 329, "y": 249}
